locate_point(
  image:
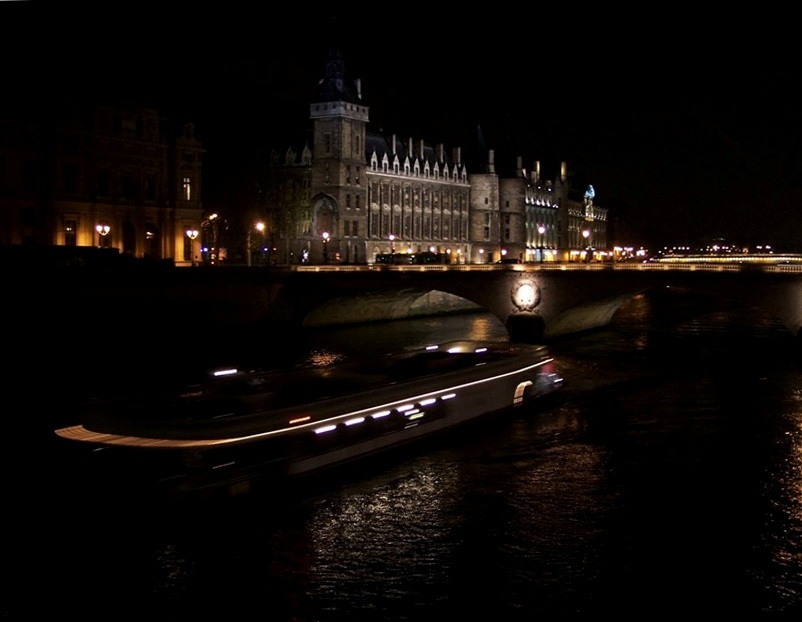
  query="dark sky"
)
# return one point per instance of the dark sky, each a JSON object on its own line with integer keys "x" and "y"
{"x": 689, "y": 127}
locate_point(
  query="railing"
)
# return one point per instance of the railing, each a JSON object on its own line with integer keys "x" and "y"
{"x": 551, "y": 266}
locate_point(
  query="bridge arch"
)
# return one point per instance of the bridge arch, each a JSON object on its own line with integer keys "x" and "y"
{"x": 539, "y": 305}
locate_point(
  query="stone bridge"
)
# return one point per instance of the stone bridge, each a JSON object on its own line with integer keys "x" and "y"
{"x": 534, "y": 302}
{"x": 537, "y": 303}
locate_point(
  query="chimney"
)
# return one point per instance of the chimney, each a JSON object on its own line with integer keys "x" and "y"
{"x": 421, "y": 149}
{"x": 491, "y": 161}
{"x": 457, "y": 155}
{"x": 394, "y": 148}
{"x": 519, "y": 164}
{"x": 409, "y": 151}
{"x": 441, "y": 152}
{"x": 358, "y": 83}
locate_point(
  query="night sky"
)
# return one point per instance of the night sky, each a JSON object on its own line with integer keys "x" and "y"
{"x": 689, "y": 128}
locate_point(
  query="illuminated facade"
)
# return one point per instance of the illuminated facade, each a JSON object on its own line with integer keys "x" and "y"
{"x": 101, "y": 176}
{"x": 355, "y": 195}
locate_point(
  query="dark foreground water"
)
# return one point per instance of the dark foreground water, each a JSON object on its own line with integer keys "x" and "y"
{"x": 665, "y": 482}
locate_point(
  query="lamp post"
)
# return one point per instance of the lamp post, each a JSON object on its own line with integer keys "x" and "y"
{"x": 102, "y": 232}
{"x": 325, "y": 235}
{"x": 586, "y": 235}
{"x": 209, "y": 240}
{"x": 392, "y": 249}
{"x": 260, "y": 227}
{"x": 192, "y": 234}
{"x": 541, "y": 230}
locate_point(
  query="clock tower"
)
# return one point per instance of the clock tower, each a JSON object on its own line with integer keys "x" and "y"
{"x": 338, "y": 180}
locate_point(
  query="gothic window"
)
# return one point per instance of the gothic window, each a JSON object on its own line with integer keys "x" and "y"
{"x": 327, "y": 142}
{"x": 187, "y": 189}
{"x": 348, "y": 174}
{"x": 355, "y": 228}
{"x": 348, "y": 200}
{"x": 356, "y": 201}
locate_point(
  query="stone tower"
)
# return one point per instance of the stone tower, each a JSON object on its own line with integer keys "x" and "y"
{"x": 339, "y": 125}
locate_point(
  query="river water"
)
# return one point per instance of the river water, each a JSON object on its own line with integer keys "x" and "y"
{"x": 665, "y": 481}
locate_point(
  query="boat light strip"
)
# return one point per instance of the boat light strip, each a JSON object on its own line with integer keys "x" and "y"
{"x": 225, "y": 372}
{"x": 79, "y": 432}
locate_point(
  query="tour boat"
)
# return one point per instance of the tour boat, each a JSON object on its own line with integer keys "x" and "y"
{"x": 239, "y": 424}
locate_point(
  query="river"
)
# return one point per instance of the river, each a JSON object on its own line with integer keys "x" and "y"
{"x": 666, "y": 481}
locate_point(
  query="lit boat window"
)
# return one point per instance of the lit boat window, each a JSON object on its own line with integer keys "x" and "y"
{"x": 224, "y": 372}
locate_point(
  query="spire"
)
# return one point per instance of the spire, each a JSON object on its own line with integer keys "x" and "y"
{"x": 334, "y": 86}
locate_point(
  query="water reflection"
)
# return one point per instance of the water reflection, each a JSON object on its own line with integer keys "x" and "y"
{"x": 667, "y": 480}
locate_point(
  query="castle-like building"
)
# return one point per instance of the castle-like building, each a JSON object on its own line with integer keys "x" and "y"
{"x": 119, "y": 177}
{"x": 356, "y": 196}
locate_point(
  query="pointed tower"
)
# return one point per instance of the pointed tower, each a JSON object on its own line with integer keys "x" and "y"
{"x": 339, "y": 123}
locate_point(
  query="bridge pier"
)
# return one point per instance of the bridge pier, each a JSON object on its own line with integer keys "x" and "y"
{"x": 525, "y": 327}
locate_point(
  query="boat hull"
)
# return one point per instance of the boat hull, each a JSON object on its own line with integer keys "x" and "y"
{"x": 401, "y": 400}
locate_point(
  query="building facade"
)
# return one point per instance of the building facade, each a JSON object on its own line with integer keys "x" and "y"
{"x": 105, "y": 177}
{"x": 119, "y": 177}
{"x": 353, "y": 196}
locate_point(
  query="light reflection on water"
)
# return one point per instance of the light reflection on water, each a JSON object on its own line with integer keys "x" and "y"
{"x": 668, "y": 479}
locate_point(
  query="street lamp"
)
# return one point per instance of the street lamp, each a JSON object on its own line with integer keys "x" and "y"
{"x": 192, "y": 234}
{"x": 392, "y": 249}
{"x": 325, "y": 235}
{"x": 541, "y": 230}
{"x": 260, "y": 227}
{"x": 102, "y": 232}
{"x": 586, "y": 235}
{"x": 209, "y": 249}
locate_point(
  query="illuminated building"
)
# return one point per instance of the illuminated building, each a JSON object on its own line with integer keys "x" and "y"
{"x": 101, "y": 176}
